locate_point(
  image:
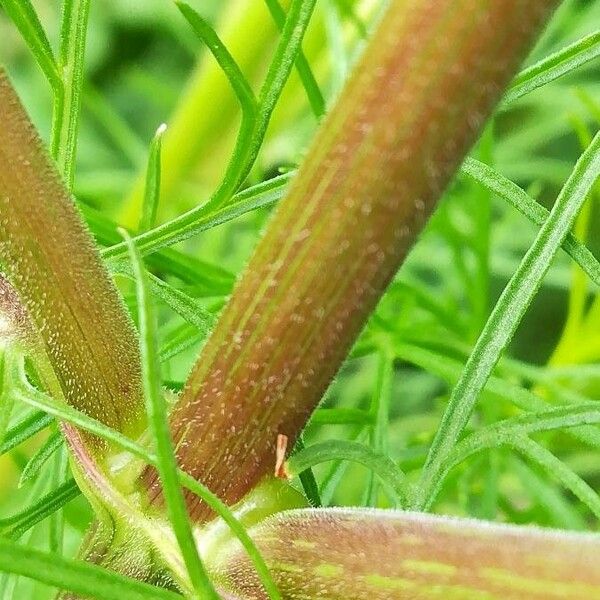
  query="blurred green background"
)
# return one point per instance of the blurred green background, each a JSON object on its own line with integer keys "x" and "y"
{"x": 145, "y": 66}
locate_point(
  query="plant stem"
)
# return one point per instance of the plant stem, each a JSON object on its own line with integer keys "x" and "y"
{"x": 49, "y": 258}
{"x": 418, "y": 98}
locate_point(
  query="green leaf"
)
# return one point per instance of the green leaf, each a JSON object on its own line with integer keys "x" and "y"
{"x": 152, "y": 191}
{"x": 496, "y": 389}
{"x": 308, "y": 480}
{"x": 6, "y": 398}
{"x": 507, "y": 314}
{"x": 15, "y": 526}
{"x": 383, "y": 555}
{"x": 24, "y": 429}
{"x": 235, "y": 171}
{"x": 188, "y": 269}
{"x": 561, "y": 511}
{"x": 380, "y": 409}
{"x": 185, "y": 306}
{"x": 513, "y": 432}
{"x": 313, "y": 93}
{"x": 230, "y": 68}
{"x": 559, "y": 471}
{"x": 156, "y": 410}
{"x": 286, "y": 53}
{"x": 76, "y": 576}
{"x": 535, "y": 212}
{"x": 203, "y": 218}
{"x": 38, "y": 460}
{"x": 67, "y": 101}
{"x": 380, "y": 464}
{"x": 554, "y": 66}
{"x": 115, "y": 126}
{"x": 23, "y": 15}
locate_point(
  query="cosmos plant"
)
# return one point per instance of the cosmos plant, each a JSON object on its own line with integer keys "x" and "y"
{"x": 194, "y": 495}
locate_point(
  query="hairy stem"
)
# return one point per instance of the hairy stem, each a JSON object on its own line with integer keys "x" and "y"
{"x": 416, "y": 102}
{"x": 49, "y": 257}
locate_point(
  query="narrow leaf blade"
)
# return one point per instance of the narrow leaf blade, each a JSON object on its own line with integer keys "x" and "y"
{"x": 23, "y": 15}
{"x": 88, "y": 580}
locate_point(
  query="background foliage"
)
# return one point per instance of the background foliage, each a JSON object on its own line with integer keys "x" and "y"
{"x": 143, "y": 61}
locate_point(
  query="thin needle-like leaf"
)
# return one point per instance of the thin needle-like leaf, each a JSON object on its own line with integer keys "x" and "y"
{"x": 234, "y": 172}
{"x": 230, "y": 68}
{"x": 381, "y": 464}
{"x": 67, "y": 102}
{"x": 24, "y": 430}
{"x": 38, "y": 460}
{"x": 380, "y": 408}
{"x": 535, "y": 212}
{"x": 182, "y": 304}
{"x": 509, "y": 431}
{"x": 315, "y": 97}
{"x": 23, "y": 15}
{"x": 196, "y": 221}
{"x": 559, "y": 471}
{"x": 6, "y": 398}
{"x": 308, "y": 480}
{"x": 554, "y": 66}
{"x": 156, "y": 409}
{"x": 508, "y": 312}
{"x": 15, "y": 526}
{"x": 114, "y": 126}
{"x": 152, "y": 191}
{"x": 286, "y": 53}
{"x": 82, "y": 578}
